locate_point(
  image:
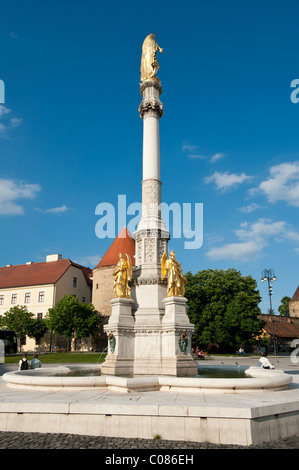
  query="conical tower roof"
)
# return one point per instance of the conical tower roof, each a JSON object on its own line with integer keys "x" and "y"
{"x": 296, "y": 295}
{"x": 124, "y": 243}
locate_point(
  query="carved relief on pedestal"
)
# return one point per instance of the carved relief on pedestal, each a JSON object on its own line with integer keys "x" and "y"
{"x": 149, "y": 249}
{"x": 139, "y": 252}
{"x": 150, "y": 246}
{"x": 162, "y": 248}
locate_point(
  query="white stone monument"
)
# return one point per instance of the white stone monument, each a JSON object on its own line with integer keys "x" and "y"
{"x": 150, "y": 334}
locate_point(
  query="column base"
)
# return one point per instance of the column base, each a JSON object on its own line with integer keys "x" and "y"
{"x": 176, "y": 340}
{"x": 156, "y": 344}
{"x": 120, "y": 331}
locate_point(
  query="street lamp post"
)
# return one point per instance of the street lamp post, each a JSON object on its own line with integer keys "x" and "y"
{"x": 269, "y": 275}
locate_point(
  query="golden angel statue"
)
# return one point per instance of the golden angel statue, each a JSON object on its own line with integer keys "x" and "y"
{"x": 149, "y": 63}
{"x": 176, "y": 280}
{"x": 122, "y": 275}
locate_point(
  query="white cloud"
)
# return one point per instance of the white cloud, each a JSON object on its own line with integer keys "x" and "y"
{"x": 253, "y": 239}
{"x": 250, "y": 208}
{"x": 55, "y": 210}
{"x": 189, "y": 148}
{"x": 225, "y": 180}
{"x": 90, "y": 261}
{"x": 7, "y": 123}
{"x": 216, "y": 157}
{"x": 235, "y": 251}
{"x": 15, "y": 122}
{"x": 194, "y": 152}
{"x": 4, "y": 110}
{"x": 282, "y": 184}
{"x": 2, "y": 128}
{"x": 11, "y": 191}
{"x": 260, "y": 230}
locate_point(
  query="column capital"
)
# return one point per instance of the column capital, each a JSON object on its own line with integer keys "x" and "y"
{"x": 151, "y": 104}
{"x": 151, "y": 107}
{"x": 151, "y": 83}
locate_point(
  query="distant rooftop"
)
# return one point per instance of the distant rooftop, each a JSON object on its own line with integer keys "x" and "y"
{"x": 296, "y": 295}
{"x": 124, "y": 243}
{"x": 282, "y": 326}
{"x": 31, "y": 274}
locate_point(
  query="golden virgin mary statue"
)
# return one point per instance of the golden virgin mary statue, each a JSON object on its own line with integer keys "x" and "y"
{"x": 149, "y": 63}
{"x": 122, "y": 275}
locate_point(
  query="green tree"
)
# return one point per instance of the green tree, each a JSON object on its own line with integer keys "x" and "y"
{"x": 38, "y": 328}
{"x": 284, "y": 306}
{"x": 23, "y": 322}
{"x": 72, "y": 319}
{"x": 223, "y": 306}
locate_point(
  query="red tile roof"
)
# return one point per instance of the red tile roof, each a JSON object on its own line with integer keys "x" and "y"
{"x": 296, "y": 295}
{"x": 283, "y": 327}
{"x": 124, "y": 243}
{"x": 38, "y": 273}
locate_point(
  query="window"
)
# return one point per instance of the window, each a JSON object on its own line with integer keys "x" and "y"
{"x": 39, "y": 316}
{"x": 1, "y": 299}
{"x": 14, "y": 298}
{"x": 74, "y": 282}
{"x": 83, "y": 300}
{"x": 41, "y": 296}
{"x": 27, "y": 298}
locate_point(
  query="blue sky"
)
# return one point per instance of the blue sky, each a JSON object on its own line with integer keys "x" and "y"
{"x": 71, "y": 135}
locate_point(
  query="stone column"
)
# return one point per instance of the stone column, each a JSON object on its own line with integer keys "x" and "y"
{"x": 151, "y": 238}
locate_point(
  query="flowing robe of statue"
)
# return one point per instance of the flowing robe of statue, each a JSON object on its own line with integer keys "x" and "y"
{"x": 176, "y": 280}
{"x": 122, "y": 276}
{"x": 149, "y": 63}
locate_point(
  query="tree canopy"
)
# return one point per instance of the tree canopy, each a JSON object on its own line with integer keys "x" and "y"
{"x": 284, "y": 306}
{"x": 223, "y": 306}
{"x": 71, "y": 318}
{"x": 23, "y": 322}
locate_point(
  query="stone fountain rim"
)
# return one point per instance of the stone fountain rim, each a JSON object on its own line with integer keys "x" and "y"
{"x": 259, "y": 380}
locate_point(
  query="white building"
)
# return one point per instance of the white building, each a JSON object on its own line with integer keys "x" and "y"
{"x": 39, "y": 286}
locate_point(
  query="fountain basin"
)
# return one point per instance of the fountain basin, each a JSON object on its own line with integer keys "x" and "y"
{"x": 70, "y": 378}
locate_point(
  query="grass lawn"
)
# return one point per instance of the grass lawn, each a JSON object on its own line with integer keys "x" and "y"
{"x": 59, "y": 358}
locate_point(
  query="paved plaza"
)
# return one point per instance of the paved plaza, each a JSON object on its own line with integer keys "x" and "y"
{"x": 37, "y": 440}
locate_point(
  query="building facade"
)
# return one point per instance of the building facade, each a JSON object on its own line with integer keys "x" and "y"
{"x": 39, "y": 286}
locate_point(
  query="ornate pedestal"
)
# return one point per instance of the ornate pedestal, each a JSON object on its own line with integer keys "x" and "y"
{"x": 176, "y": 339}
{"x": 120, "y": 331}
